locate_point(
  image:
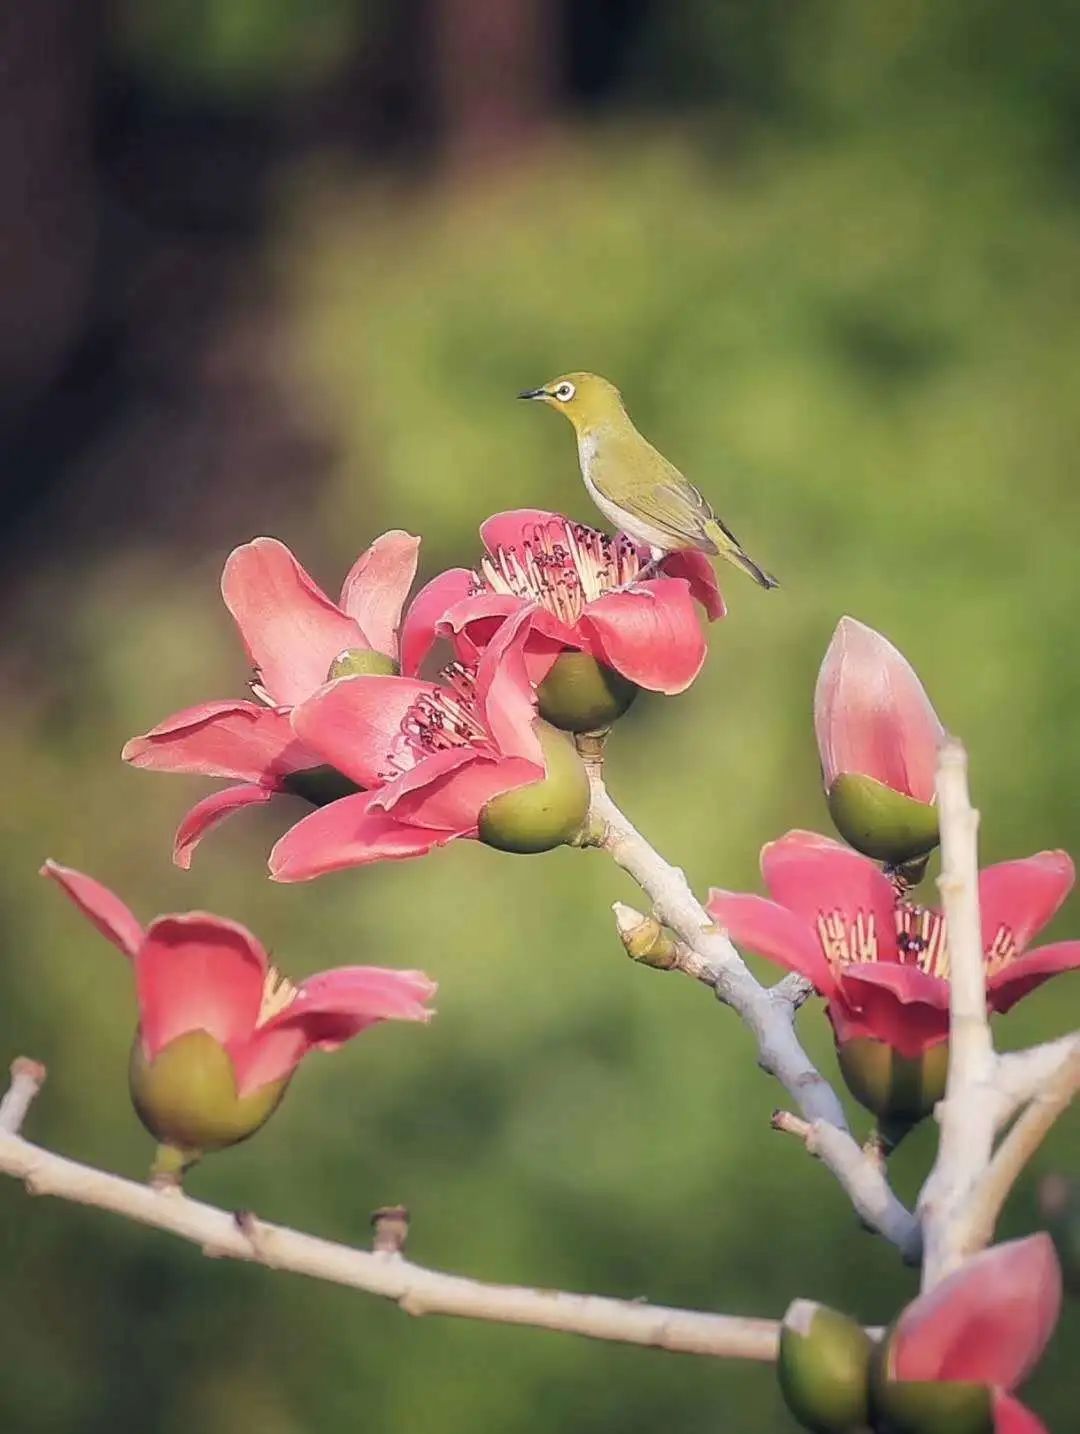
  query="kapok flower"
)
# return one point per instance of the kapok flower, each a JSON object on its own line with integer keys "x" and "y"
{"x": 466, "y": 757}
{"x": 878, "y": 737}
{"x": 957, "y": 1353}
{"x": 601, "y": 628}
{"x": 882, "y": 962}
{"x": 220, "y": 1030}
{"x": 295, "y": 638}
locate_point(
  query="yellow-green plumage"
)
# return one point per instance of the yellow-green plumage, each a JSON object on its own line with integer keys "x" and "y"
{"x": 633, "y": 485}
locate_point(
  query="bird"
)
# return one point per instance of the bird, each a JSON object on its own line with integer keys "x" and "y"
{"x": 633, "y": 485}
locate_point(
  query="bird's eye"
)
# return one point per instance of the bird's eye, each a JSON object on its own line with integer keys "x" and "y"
{"x": 565, "y": 392}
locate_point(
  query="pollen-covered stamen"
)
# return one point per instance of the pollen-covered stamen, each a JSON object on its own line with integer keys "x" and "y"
{"x": 446, "y": 718}
{"x": 278, "y": 993}
{"x": 1001, "y": 951}
{"x": 846, "y": 942}
{"x": 561, "y": 566}
{"x": 921, "y": 939}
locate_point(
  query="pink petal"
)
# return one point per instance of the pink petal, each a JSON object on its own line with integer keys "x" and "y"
{"x": 209, "y": 812}
{"x": 329, "y": 1010}
{"x": 99, "y": 905}
{"x": 699, "y": 572}
{"x": 349, "y": 832}
{"x": 419, "y": 629}
{"x": 1012, "y": 1417}
{"x": 419, "y": 777}
{"x": 517, "y": 527}
{"x": 814, "y": 876}
{"x": 505, "y": 694}
{"x": 221, "y": 739}
{"x": 198, "y": 972}
{"x": 1015, "y": 980}
{"x": 291, "y": 629}
{"x": 354, "y": 723}
{"x": 472, "y": 623}
{"x": 651, "y": 634}
{"x": 772, "y": 931}
{"x": 988, "y": 1323}
{"x": 375, "y": 590}
{"x": 900, "y": 1005}
{"x": 453, "y": 799}
{"x": 872, "y": 714}
{"x": 1023, "y": 895}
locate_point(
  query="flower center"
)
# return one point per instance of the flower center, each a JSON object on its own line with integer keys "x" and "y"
{"x": 921, "y": 940}
{"x": 562, "y": 566}
{"x": 278, "y": 992}
{"x": 440, "y": 721}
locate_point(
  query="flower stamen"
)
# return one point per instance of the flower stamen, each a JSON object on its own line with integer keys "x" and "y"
{"x": 278, "y": 993}
{"x": 561, "y": 566}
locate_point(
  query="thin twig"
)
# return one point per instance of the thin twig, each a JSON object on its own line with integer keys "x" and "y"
{"x": 1014, "y": 1152}
{"x": 705, "y": 952}
{"x": 418, "y": 1291}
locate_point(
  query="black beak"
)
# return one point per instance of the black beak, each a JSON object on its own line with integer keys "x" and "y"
{"x": 533, "y": 393}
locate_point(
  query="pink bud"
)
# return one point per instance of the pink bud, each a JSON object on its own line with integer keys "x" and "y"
{"x": 872, "y": 715}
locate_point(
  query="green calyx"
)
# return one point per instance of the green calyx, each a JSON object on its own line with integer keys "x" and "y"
{"x": 823, "y": 1368}
{"x": 362, "y": 662}
{"x": 186, "y": 1097}
{"x": 886, "y": 825}
{"x": 547, "y": 813}
{"x": 898, "y": 1089}
{"x": 580, "y": 694}
{"x": 320, "y": 785}
{"x": 917, "y": 1406}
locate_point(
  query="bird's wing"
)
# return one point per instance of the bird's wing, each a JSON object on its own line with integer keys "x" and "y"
{"x": 662, "y": 497}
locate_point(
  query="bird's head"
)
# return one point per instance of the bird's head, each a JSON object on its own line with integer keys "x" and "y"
{"x": 586, "y": 399}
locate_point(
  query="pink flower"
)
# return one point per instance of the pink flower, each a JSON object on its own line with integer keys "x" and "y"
{"x": 883, "y": 963}
{"x": 200, "y": 973}
{"x": 293, "y": 634}
{"x": 582, "y": 589}
{"x": 435, "y": 755}
{"x": 986, "y": 1325}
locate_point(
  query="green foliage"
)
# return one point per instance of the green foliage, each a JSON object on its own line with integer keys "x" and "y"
{"x": 860, "y": 340}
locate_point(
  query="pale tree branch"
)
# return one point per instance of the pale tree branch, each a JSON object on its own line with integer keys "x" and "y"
{"x": 705, "y": 952}
{"x": 383, "y": 1271}
{"x": 969, "y": 1181}
{"x": 1017, "y": 1148}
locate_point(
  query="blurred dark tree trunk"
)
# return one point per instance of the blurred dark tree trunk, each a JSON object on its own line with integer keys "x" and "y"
{"x": 48, "y": 198}
{"x": 495, "y": 74}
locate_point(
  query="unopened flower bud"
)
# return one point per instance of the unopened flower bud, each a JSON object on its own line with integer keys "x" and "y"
{"x": 546, "y": 813}
{"x": 580, "y": 694}
{"x": 899, "y": 1090}
{"x": 880, "y": 822}
{"x": 925, "y": 1406}
{"x": 362, "y": 662}
{"x": 645, "y": 939}
{"x": 823, "y": 1368}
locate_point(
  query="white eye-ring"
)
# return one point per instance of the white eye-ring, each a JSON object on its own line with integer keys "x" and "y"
{"x": 565, "y": 392}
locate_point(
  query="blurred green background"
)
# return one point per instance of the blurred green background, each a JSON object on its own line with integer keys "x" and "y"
{"x": 280, "y": 267}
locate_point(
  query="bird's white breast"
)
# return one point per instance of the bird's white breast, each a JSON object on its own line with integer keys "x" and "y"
{"x": 641, "y": 531}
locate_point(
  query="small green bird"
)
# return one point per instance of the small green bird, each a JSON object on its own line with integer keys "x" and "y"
{"x": 633, "y": 485}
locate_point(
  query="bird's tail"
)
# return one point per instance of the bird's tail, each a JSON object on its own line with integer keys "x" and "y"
{"x": 727, "y": 547}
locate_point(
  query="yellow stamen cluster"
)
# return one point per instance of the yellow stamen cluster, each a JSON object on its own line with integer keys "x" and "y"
{"x": 278, "y": 993}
